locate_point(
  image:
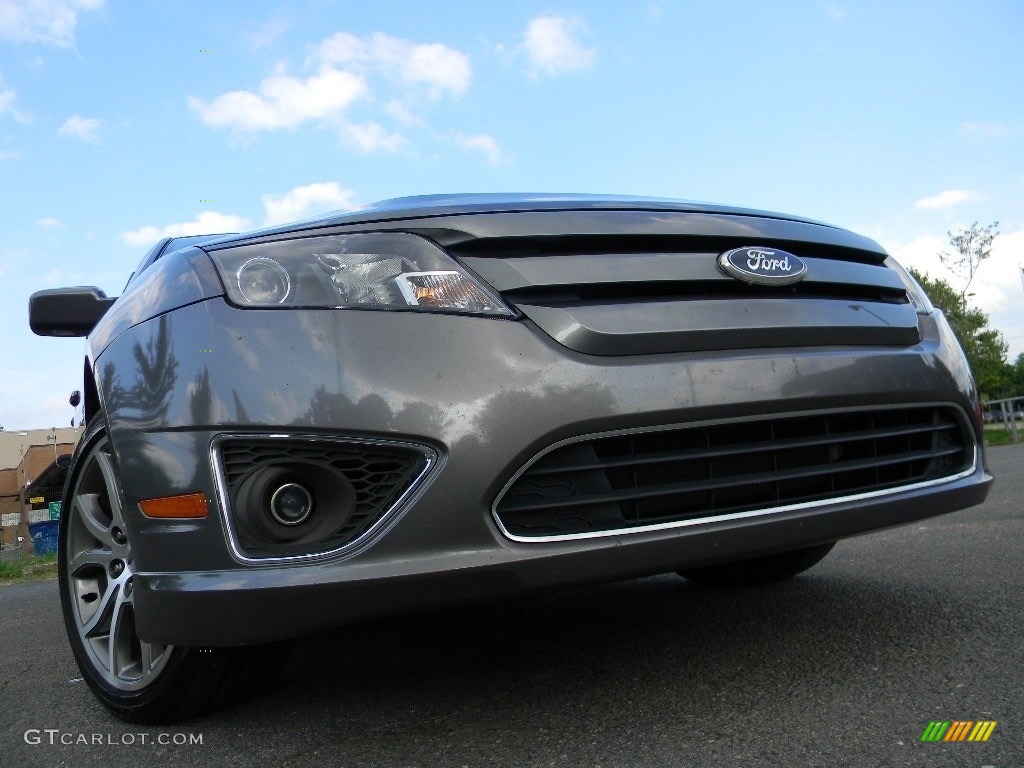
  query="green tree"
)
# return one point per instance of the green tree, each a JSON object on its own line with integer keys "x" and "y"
{"x": 970, "y": 246}
{"x": 1016, "y": 376}
{"x": 985, "y": 347}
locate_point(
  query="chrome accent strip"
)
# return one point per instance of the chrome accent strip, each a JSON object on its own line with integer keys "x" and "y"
{"x": 419, "y": 484}
{"x": 732, "y": 515}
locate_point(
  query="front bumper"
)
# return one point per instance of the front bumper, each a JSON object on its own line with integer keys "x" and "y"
{"x": 243, "y": 606}
{"x": 486, "y": 395}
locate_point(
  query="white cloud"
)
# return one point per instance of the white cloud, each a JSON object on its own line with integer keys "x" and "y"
{"x": 78, "y": 127}
{"x": 370, "y": 136}
{"x": 480, "y": 142}
{"x": 267, "y": 33}
{"x": 437, "y": 66}
{"x": 9, "y": 154}
{"x": 299, "y": 203}
{"x": 398, "y": 111}
{"x": 206, "y": 223}
{"x": 283, "y": 102}
{"x": 922, "y": 254}
{"x": 946, "y": 199}
{"x": 51, "y": 22}
{"x": 552, "y": 48}
{"x": 7, "y": 105}
{"x": 350, "y": 68}
{"x": 306, "y": 201}
{"x": 7, "y": 97}
{"x": 50, "y": 222}
{"x": 997, "y": 284}
{"x": 991, "y": 130}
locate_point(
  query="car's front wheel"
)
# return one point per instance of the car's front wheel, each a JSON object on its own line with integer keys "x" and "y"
{"x": 759, "y": 570}
{"x": 139, "y": 681}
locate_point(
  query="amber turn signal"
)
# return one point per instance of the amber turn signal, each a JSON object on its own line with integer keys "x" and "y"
{"x": 188, "y": 506}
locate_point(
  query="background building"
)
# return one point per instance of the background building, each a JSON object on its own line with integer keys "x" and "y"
{"x": 31, "y": 477}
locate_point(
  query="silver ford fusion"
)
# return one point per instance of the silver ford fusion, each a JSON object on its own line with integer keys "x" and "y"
{"x": 439, "y": 400}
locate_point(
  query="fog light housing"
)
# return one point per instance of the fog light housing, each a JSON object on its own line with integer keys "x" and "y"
{"x": 378, "y": 477}
{"x": 287, "y": 507}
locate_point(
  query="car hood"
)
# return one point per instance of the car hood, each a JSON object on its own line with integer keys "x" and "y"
{"x": 430, "y": 206}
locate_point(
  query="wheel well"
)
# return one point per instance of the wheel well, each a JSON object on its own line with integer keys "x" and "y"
{"x": 91, "y": 398}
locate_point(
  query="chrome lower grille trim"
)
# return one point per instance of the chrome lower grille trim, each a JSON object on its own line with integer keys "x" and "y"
{"x": 667, "y": 477}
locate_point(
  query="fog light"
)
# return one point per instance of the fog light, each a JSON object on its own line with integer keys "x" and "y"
{"x": 291, "y": 504}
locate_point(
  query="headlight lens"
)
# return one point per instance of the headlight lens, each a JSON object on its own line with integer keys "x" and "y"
{"x": 915, "y": 292}
{"x": 263, "y": 281}
{"x": 368, "y": 271}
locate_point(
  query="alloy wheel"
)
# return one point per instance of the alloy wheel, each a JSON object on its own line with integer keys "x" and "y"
{"x": 100, "y": 576}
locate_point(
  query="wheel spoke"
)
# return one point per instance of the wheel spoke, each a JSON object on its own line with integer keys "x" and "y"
{"x": 147, "y": 660}
{"x": 106, "y": 466}
{"x": 119, "y": 646}
{"x": 93, "y": 517}
{"x": 100, "y": 558}
{"x": 98, "y": 623}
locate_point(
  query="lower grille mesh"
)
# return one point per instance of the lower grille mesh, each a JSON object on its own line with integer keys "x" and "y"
{"x": 675, "y": 475}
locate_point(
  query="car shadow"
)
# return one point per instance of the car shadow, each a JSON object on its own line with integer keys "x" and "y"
{"x": 592, "y": 651}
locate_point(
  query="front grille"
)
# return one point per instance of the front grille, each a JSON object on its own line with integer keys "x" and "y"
{"x": 572, "y": 275}
{"x": 381, "y": 475}
{"x": 675, "y": 475}
{"x": 639, "y": 301}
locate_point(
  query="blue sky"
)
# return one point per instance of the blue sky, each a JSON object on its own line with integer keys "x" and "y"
{"x": 124, "y": 121}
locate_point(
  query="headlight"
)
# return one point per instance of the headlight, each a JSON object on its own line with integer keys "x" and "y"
{"x": 915, "y": 293}
{"x": 368, "y": 271}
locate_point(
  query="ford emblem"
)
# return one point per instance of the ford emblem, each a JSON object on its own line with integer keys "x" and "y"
{"x": 763, "y": 266}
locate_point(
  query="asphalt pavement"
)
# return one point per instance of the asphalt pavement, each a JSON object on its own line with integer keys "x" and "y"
{"x": 844, "y": 666}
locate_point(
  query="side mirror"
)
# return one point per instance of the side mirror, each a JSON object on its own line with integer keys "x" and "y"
{"x": 75, "y": 399}
{"x": 67, "y": 311}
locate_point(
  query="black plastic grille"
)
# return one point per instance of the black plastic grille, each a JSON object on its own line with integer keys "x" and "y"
{"x": 675, "y": 475}
{"x": 379, "y": 474}
{"x": 623, "y": 296}
{"x": 585, "y": 259}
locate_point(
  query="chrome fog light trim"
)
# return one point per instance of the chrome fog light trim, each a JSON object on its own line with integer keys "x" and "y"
{"x": 432, "y": 463}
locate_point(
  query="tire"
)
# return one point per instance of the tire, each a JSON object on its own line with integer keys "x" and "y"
{"x": 759, "y": 570}
{"x": 138, "y": 681}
